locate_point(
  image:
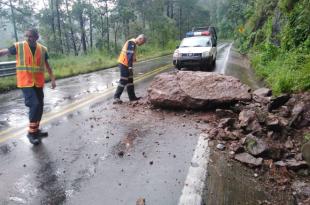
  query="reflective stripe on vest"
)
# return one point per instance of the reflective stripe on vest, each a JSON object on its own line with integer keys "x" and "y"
{"x": 123, "y": 55}
{"x": 29, "y": 67}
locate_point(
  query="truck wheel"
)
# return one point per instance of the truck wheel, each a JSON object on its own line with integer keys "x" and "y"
{"x": 178, "y": 66}
{"x": 205, "y": 66}
{"x": 214, "y": 63}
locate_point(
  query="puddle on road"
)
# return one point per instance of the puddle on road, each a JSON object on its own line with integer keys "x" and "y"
{"x": 13, "y": 111}
{"x": 46, "y": 182}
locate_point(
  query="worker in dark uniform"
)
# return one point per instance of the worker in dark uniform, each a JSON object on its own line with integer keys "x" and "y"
{"x": 126, "y": 59}
{"x": 31, "y": 61}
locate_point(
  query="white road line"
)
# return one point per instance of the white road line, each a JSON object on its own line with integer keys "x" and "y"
{"x": 197, "y": 174}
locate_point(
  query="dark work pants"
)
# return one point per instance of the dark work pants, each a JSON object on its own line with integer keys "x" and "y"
{"x": 34, "y": 100}
{"x": 126, "y": 75}
{"x": 126, "y": 80}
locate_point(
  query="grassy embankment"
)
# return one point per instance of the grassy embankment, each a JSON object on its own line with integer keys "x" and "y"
{"x": 281, "y": 58}
{"x": 67, "y": 66}
{"x": 283, "y": 71}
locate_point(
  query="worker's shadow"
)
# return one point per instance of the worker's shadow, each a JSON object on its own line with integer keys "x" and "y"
{"x": 49, "y": 185}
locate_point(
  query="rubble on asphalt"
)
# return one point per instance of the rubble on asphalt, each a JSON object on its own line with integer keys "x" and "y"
{"x": 270, "y": 139}
{"x": 270, "y": 134}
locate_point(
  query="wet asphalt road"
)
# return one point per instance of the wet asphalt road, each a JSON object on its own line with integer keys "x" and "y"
{"x": 13, "y": 111}
{"x": 98, "y": 153}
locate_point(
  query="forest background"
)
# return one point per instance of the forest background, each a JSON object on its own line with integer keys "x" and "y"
{"x": 87, "y": 35}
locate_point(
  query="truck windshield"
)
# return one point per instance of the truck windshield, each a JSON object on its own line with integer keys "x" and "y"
{"x": 199, "y": 41}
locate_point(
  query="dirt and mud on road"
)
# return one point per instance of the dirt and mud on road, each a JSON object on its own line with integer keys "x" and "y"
{"x": 259, "y": 162}
{"x": 263, "y": 132}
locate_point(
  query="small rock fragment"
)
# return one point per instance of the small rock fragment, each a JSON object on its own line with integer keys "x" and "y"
{"x": 254, "y": 145}
{"x": 278, "y": 102}
{"x": 140, "y": 201}
{"x": 220, "y": 146}
{"x": 249, "y": 159}
{"x": 264, "y": 92}
{"x": 120, "y": 153}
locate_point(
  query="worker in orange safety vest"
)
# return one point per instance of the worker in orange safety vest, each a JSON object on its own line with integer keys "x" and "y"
{"x": 31, "y": 61}
{"x": 125, "y": 60}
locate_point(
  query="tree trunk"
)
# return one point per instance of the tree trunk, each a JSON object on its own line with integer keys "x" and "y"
{"x": 13, "y": 21}
{"x": 71, "y": 30}
{"x": 180, "y": 22}
{"x": 168, "y": 8}
{"x": 115, "y": 39}
{"x": 67, "y": 40}
{"x": 83, "y": 36}
{"x": 52, "y": 20}
{"x": 171, "y": 10}
{"x": 126, "y": 22}
{"x": 91, "y": 29}
{"x": 108, "y": 25}
{"x": 187, "y": 23}
{"x": 59, "y": 27}
{"x": 102, "y": 25}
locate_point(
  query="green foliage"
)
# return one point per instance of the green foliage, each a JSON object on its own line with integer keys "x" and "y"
{"x": 227, "y": 16}
{"x": 287, "y": 5}
{"x": 283, "y": 71}
{"x": 7, "y": 83}
{"x": 297, "y": 29}
{"x": 307, "y": 137}
{"x": 277, "y": 39}
{"x": 66, "y": 66}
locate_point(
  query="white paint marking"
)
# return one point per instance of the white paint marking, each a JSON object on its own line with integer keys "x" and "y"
{"x": 197, "y": 174}
{"x": 223, "y": 69}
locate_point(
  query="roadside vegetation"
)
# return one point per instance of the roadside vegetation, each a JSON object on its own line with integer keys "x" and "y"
{"x": 84, "y": 36}
{"x": 280, "y": 49}
{"x": 307, "y": 137}
{"x": 67, "y": 66}
{"x": 275, "y": 35}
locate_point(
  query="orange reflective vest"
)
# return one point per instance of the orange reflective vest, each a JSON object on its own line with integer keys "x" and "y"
{"x": 123, "y": 59}
{"x": 29, "y": 67}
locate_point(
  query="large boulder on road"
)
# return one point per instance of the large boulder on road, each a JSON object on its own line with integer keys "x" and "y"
{"x": 196, "y": 90}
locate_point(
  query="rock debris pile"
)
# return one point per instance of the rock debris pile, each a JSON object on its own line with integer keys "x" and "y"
{"x": 269, "y": 134}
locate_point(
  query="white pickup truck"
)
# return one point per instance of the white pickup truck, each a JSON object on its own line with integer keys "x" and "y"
{"x": 198, "y": 49}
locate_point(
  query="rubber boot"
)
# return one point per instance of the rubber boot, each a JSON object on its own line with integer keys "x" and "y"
{"x": 131, "y": 93}
{"x": 117, "y": 95}
{"x": 33, "y": 138}
{"x": 42, "y": 133}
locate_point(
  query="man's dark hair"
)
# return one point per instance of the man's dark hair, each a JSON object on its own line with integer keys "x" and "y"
{"x": 33, "y": 31}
